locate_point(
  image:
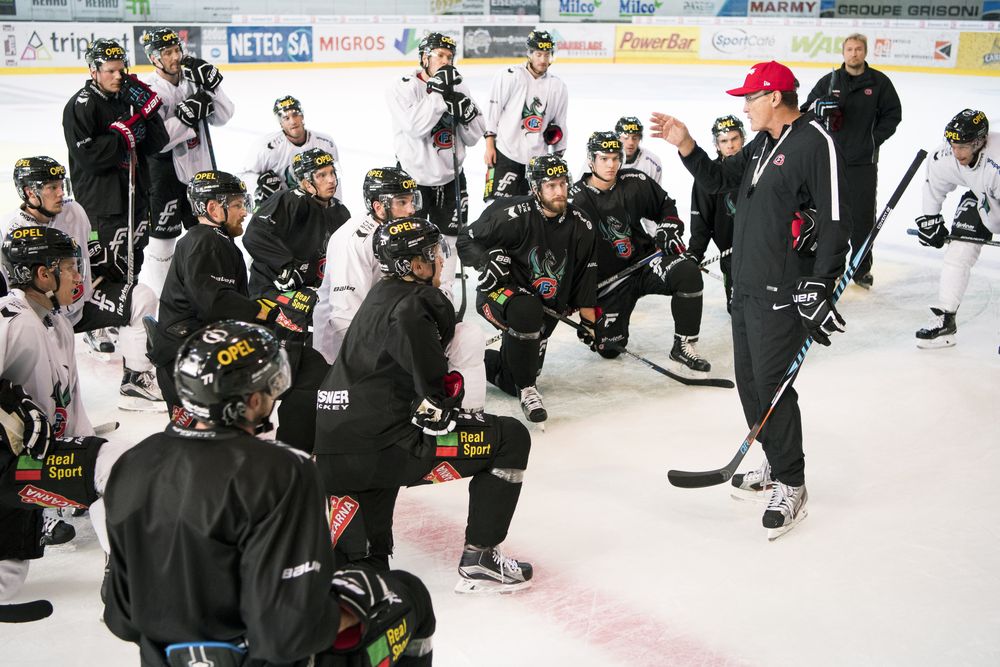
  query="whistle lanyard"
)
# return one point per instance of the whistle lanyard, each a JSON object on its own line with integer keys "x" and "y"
{"x": 758, "y": 171}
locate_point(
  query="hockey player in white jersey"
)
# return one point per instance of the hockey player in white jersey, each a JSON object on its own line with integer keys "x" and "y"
{"x": 969, "y": 158}
{"x": 525, "y": 118}
{"x": 271, "y": 166}
{"x": 426, "y": 107}
{"x": 629, "y": 131}
{"x": 352, "y": 270}
{"x": 97, "y": 304}
{"x": 192, "y": 95}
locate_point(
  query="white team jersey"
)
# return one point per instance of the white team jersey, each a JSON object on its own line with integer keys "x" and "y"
{"x": 422, "y": 138}
{"x": 648, "y": 163}
{"x": 36, "y": 352}
{"x": 277, "y": 153}
{"x": 74, "y": 222}
{"x": 520, "y": 109}
{"x": 944, "y": 174}
{"x": 190, "y": 150}
{"x": 351, "y": 271}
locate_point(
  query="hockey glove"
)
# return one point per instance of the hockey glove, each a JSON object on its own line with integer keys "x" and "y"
{"x": 436, "y": 416}
{"x": 592, "y": 333}
{"x": 363, "y": 593}
{"x": 494, "y": 274}
{"x": 804, "y": 232}
{"x": 818, "y": 314}
{"x": 669, "y": 236}
{"x": 297, "y": 305}
{"x": 292, "y": 276}
{"x": 271, "y": 313}
{"x": 203, "y": 73}
{"x": 23, "y": 425}
{"x": 132, "y": 130}
{"x": 195, "y": 108}
{"x": 931, "y": 231}
{"x": 552, "y": 135}
{"x": 267, "y": 184}
{"x": 140, "y": 95}
{"x": 826, "y": 106}
{"x": 444, "y": 81}
{"x": 462, "y": 108}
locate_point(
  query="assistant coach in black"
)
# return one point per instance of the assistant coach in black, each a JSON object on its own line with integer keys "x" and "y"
{"x": 791, "y": 164}
{"x": 860, "y": 109}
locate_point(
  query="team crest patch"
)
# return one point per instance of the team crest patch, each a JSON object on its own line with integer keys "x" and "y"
{"x": 779, "y": 160}
{"x": 442, "y": 139}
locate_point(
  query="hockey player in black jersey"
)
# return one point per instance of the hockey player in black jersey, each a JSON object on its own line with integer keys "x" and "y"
{"x": 389, "y": 416}
{"x": 288, "y": 234}
{"x": 219, "y": 537}
{"x": 616, "y": 201}
{"x": 531, "y": 251}
{"x": 712, "y": 213}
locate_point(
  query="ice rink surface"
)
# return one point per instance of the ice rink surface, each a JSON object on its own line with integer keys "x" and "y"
{"x": 896, "y": 563}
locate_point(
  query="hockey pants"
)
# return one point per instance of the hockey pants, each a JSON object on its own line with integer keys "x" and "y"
{"x": 959, "y": 256}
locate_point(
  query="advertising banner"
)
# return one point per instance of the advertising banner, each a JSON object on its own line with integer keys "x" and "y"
{"x": 458, "y": 6}
{"x": 99, "y": 10}
{"x": 45, "y": 10}
{"x": 518, "y": 7}
{"x": 495, "y": 41}
{"x": 784, "y": 8}
{"x": 979, "y": 51}
{"x": 738, "y": 43}
{"x": 269, "y": 44}
{"x": 31, "y": 44}
{"x": 8, "y": 7}
{"x": 907, "y": 9}
{"x": 582, "y": 42}
{"x": 656, "y": 43}
{"x": 189, "y": 35}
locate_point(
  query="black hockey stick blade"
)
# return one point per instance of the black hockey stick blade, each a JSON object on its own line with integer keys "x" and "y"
{"x": 25, "y": 612}
{"x": 952, "y": 237}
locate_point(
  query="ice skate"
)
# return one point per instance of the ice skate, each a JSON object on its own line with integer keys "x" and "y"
{"x": 785, "y": 509}
{"x": 939, "y": 332}
{"x": 55, "y": 531}
{"x": 99, "y": 344}
{"x": 140, "y": 393}
{"x": 687, "y": 360}
{"x": 489, "y": 571}
{"x": 753, "y": 485}
{"x": 531, "y": 404}
{"x": 865, "y": 282}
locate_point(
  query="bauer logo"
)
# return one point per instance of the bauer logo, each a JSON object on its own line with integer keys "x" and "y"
{"x": 269, "y": 44}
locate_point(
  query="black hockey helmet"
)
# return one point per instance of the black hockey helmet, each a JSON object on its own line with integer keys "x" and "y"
{"x": 34, "y": 172}
{"x": 306, "y": 162}
{"x": 26, "y": 248}
{"x": 724, "y": 124}
{"x": 384, "y": 183}
{"x": 435, "y": 40}
{"x": 286, "y": 104}
{"x": 103, "y": 50}
{"x": 154, "y": 41}
{"x": 604, "y": 142}
{"x": 214, "y": 185}
{"x": 628, "y": 125}
{"x": 541, "y": 40}
{"x": 398, "y": 241}
{"x": 219, "y": 366}
{"x": 545, "y": 168}
{"x": 967, "y": 127}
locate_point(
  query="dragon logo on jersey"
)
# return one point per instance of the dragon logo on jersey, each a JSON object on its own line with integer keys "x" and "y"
{"x": 546, "y": 273}
{"x": 61, "y": 397}
{"x": 730, "y": 204}
{"x": 616, "y": 233}
{"x": 531, "y": 116}
{"x": 441, "y": 134}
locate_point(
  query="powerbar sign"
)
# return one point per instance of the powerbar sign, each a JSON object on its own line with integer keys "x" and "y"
{"x": 915, "y": 9}
{"x": 269, "y": 44}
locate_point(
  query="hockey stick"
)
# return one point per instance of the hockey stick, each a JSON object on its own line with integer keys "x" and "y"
{"x": 607, "y": 285}
{"x": 463, "y": 304}
{"x": 696, "y": 480}
{"x": 104, "y": 429}
{"x": 963, "y": 239}
{"x": 131, "y": 217}
{"x": 697, "y": 382}
{"x": 25, "y": 612}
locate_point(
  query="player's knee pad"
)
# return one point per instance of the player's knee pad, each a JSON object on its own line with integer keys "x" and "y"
{"x": 514, "y": 448}
{"x": 524, "y": 317}
{"x": 685, "y": 279}
{"x": 144, "y": 302}
{"x": 961, "y": 255}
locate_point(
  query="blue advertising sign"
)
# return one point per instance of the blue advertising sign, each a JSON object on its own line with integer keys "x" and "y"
{"x": 269, "y": 44}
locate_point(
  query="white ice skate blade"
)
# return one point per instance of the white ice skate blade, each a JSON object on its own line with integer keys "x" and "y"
{"x": 747, "y": 496}
{"x": 936, "y": 343}
{"x": 100, "y": 356}
{"x": 136, "y": 404}
{"x": 681, "y": 369}
{"x": 481, "y": 586}
{"x": 775, "y": 533}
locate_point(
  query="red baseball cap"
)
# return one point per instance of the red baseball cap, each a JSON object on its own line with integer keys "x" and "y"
{"x": 771, "y": 75}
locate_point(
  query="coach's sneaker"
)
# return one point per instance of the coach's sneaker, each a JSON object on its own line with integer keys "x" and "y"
{"x": 686, "y": 354}
{"x": 754, "y": 484}
{"x": 531, "y": 404}
{"x": 785, "y": 509}
{"x": 99, "y": 344}
{"x": 55, "y": 531}
{"x": 939, "y": 332}
{"x": 487, "y": 570}
{"x": 139, "y": 392}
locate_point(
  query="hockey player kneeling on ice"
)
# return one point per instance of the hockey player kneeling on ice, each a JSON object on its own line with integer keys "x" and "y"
{"x": 220, "y": 548}
{"x": 969, "y": 158}
{"x": 48, "y": 457}
{"x": 99, "y": 302}
{"x": 531, "y": 251}
{"x": 388, "y": 416}
{"x": 617, "y": 201}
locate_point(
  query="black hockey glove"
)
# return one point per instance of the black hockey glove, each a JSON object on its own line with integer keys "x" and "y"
{"x": 669, "y": 236}
{"x": 804, "y": 232}
{"x": 931, "y": 231}
{"x": 444, "y": 81}
{"x": 363, "y": 592}
{"x": 132, "y": 130}
{"x": 140, "y": 95}
{"x": 436, "y": 416}
{"x": 462, "y": 108}
{"x": 592, "y": 333}
{"x": 203, "y": 73}
{"x": 494, "y": 274}
{"x": 267, "y": 184}
{"x": 826, "y": 106}
{"x": 818, "y": 314}
{"x": 552, "y": 135}
{"x": 23, "y": 426}
{"x": 292, "y": 276}
{"x": 195, "y": 108}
